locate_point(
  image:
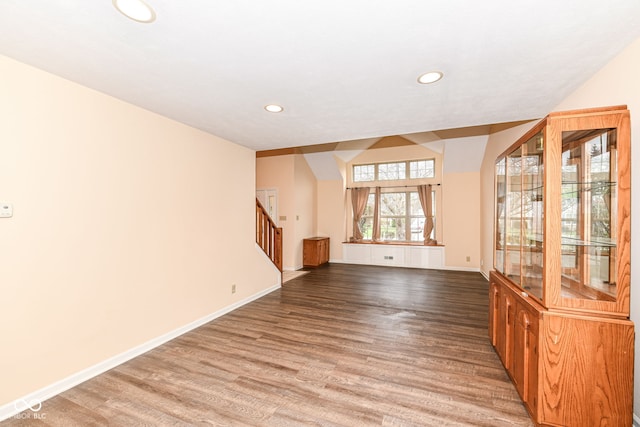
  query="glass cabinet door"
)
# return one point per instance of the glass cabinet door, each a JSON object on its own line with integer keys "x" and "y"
{"x": 563, "y": 212}
{"x": 500, "y": 238}
{"x": 520, "y": 215}
{"x": 532, "y": 214}
{"x": 588, "y": 214}
{"x": 513, "y": 218}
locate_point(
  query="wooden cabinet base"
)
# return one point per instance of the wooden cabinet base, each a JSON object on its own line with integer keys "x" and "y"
{"x": 315, "y": 251}
{"x": 570, "y": 369}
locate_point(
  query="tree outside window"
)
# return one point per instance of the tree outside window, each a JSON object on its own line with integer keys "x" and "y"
{"x": 392, "y": 171}
{"x": 401, "y": 217}
{"x": 422, "y": 169}
{"x": 363, "y": 173}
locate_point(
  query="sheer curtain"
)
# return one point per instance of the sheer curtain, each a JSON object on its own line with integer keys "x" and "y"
{"x": 424, "y": 192}
{"x": 359, "y": 198}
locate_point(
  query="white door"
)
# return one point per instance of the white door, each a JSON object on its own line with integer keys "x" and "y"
{"x": 269, "y": 199}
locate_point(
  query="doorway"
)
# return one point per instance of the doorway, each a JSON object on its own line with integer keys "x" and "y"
{"x": 269, "y": 200}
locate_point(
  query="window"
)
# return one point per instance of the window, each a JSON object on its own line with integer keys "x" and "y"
{"x": 366, "y": 222}
{"x": 363, "y": 173}
{"x": 422, "y": 169}
{"x": 391, "y": 171}
{"x": 401, "y": 217}
{"x": 418, "y": 169}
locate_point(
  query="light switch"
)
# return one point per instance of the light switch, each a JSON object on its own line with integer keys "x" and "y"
{"x": 6, "y": 210}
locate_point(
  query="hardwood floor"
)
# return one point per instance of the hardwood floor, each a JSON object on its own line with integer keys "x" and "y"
{"x": 344, "y": 345}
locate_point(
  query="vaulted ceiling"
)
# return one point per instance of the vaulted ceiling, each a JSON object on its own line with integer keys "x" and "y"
{"x": 342, "y": 70}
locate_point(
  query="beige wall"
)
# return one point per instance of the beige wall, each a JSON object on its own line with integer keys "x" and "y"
{"x": 306, "y": 204}
{"x": 277, "y": 173}
{"x": 331, "y": 215}
{"x": 296, "y": 185}
{"x": 461, "y": 219}
{"x": 617, "y": 83}
{"x": 126, "y": 226}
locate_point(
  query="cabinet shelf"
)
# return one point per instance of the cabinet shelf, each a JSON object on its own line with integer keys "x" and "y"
{"x": 573, "y": 241}
{"x": 560, "y": 292}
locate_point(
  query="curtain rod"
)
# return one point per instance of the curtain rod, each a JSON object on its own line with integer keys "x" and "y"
{"x": 392, "y": 186}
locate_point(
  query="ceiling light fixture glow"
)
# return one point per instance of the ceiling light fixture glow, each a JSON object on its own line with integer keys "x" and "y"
{"x": 137, "y": 10}
{"x": 430, "y": 77}
{"x": 273, "y": 108}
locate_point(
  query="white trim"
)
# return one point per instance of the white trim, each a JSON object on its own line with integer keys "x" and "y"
{"x": 636, "y": 420}
{"x": 486, "y": 276}
{"x": 470, "y": 269}
{"x": 15, "y": 407}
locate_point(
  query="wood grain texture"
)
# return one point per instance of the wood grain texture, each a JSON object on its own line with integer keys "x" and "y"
{"x": 587, "y": 370}
{"x": 343, "y": 345}
{"x": 570, "y": 369}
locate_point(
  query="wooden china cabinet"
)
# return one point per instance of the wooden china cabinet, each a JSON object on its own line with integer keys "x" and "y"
{"x": 559, "y": 294}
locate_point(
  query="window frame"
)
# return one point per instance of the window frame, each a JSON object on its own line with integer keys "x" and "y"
{"x": 407, "y": 217}
{"x": 407, "y": 170}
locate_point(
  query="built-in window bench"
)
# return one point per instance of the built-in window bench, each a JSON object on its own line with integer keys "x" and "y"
{"x": 394, "y": 254}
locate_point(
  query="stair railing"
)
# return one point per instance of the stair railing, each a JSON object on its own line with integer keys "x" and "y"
{"x": 268, "y": 235}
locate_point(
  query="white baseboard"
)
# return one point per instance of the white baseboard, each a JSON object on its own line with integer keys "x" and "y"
{"x": 36, "y": 398}
{"x": 470, "y": 269}
{"x": 486, "y": 276}
{"x": 636, "y": 420}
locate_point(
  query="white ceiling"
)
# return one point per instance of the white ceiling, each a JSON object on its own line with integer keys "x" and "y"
{"x": 342, "y": 69}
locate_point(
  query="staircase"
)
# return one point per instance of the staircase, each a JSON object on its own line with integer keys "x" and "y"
{"x": 268, "y": 235}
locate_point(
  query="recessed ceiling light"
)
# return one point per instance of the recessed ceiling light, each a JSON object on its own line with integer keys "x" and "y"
{"x": 430, "y": 77}
{"x": 273, "y": 108}
{"x": 137, "y": 10}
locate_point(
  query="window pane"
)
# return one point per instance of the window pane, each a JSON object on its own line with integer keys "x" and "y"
{"x": 363, "y": 173}
{"x": 417, "y": 227}
{"x": 392, "y": 228}
{"x": 366, "y": 222}
{"x": 417, "y": 219}
{"x": 366, "y": 226}
{"x": 393, "y": 204}
{"x": 415, "y": 206}
{"x": 433, "y": 206}
{"x": 368, "y": 210}
{"x": 421, "y": 169}
{"x": 389, "y": 171}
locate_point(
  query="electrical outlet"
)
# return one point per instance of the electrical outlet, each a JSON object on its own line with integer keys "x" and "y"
{"x": 468, "y": 259}
{"x": 233, "y": 289}
{"x": 6, "y": 210}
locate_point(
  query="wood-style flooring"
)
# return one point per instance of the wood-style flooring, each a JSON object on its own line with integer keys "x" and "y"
{"x": 344, "y": 345}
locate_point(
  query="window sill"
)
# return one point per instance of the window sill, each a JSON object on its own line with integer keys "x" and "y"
{"x": 389, "y": 243}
